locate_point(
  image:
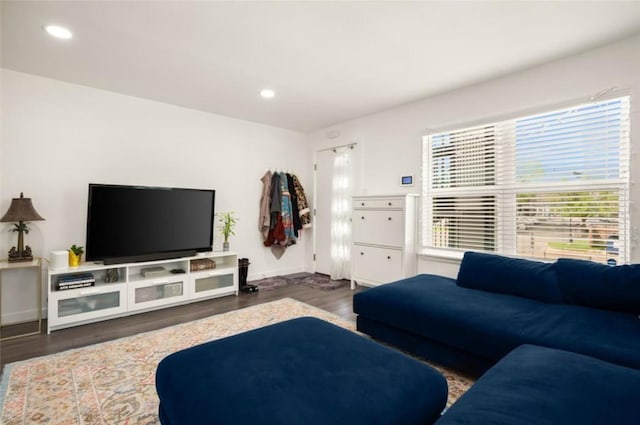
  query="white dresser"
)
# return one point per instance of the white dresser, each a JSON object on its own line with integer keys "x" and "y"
{"x": 384, "y": 239}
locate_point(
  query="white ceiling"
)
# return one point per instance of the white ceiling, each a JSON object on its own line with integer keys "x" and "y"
{"x": 327, "y": 61}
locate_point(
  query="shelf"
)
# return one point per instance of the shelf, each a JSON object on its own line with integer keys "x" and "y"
{"x": 134, "y": 292}
{"x": 99, "y": 274}
{"x": 164, "y": 275}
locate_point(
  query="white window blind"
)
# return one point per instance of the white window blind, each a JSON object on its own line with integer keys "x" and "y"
{"x": 544, "y": 186}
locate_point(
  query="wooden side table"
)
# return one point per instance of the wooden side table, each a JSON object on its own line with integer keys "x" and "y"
{"x": 36, "y": 263}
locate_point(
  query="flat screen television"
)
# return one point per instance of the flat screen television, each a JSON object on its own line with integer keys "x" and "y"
{"x": 140, "y": 223}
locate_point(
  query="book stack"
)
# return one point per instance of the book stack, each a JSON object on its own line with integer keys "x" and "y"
{"x": 202, "y": 264}
{"x": 74, "y": 281}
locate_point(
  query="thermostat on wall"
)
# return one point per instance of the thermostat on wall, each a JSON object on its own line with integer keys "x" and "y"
{"x": 406, "y": 180}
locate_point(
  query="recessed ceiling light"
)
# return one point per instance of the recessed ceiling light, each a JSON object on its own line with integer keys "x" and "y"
{"x": 267, "y": 93}
{"x": 58, "y": 31}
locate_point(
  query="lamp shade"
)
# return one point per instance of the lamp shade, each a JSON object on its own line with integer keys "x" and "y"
{"x": 21, "y": 209}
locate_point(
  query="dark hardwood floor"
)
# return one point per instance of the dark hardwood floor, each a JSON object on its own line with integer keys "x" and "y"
{"x": 337, "y": 301}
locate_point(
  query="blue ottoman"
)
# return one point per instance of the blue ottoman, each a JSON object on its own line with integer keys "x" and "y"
{"x": 303, "y": 371}
{"x": 543, "y": 386}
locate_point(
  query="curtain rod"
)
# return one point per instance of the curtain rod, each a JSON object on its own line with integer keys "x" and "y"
{"x": 332, "y": 148}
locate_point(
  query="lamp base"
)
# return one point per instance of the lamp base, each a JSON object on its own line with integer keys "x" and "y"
{"x": 20, "y": 259}
{"x": 16, "y": 257}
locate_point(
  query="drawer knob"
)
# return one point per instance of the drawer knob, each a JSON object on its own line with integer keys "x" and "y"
{"x": 389, "y": 203}
{"x": 389, "y": 218}
{"x": 362, "y": 218}
{"x": 362, "y": 253}
{"x": 388, "y": 257}
{"x": 362, "y": 204}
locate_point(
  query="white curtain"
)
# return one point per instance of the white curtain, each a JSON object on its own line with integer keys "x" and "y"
{"x": 342, "y": 187}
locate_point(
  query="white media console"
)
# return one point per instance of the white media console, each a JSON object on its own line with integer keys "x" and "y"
{"x": 132, "y": 292}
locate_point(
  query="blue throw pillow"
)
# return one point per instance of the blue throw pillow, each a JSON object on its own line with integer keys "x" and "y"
{"x": 513, "y": 276}
{"x": 599, "y": 285}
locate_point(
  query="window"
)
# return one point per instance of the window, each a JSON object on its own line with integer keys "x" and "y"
{"x": 544, "y": 186}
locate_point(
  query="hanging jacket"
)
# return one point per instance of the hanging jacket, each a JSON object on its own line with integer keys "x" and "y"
{"x": 276, "y": 199}
{"x": 264, "y": 220}
{"x": 295, "y": 213}
{"x": 276, "y": 234}
{"x": 303, "y": 207}
{"x": 287, "y": 219}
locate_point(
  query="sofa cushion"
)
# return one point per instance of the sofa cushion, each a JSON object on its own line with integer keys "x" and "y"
{"x": 542, "y": 386}
{"x": 608, "y": 335}
{"x": 490, "y": 325}
{"x": 513, "y": 276}
{"x": 599, "y": 285}
{"x": 484, "y": 323}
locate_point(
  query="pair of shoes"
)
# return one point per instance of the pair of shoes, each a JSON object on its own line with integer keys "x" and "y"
{"x": 249, "y": 288}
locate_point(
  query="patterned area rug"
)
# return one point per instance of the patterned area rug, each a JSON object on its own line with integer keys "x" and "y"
{"x": 272, "y": 283}
{"x": 313, "y": 280}
{"x": 323, "y": 282}
{"x": 114, "y": 382}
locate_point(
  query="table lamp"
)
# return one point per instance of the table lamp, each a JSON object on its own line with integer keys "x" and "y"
{"x": 20, "y": 210}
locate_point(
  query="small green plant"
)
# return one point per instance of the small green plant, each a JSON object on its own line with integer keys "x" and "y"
{"x": 228, "y": 223}
{"x": 77, "y": 250}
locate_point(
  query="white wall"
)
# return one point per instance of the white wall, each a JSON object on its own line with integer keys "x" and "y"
{"x": 392, "y": 140}
{"x": 58, "y": 137}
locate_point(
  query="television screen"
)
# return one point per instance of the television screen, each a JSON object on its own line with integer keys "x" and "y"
{"x": 147, "y": 222}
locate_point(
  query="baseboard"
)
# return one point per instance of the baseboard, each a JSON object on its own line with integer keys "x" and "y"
{"x": 272, "y": 273}
{"x": 22, "y": 316}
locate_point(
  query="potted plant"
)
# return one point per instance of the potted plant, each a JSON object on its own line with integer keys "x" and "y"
{"x": 228, "y": 223}
{"x": 75, "y": 255}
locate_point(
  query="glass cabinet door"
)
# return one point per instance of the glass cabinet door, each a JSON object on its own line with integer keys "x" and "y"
{"x": 150, "y": 294}
{"x": 210, "y": 283}
{"x": 89, "y": 303}
{"x": 159, "y": 292}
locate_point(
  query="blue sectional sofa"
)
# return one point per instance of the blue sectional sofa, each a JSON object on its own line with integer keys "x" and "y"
{"x": 499, "y": 303}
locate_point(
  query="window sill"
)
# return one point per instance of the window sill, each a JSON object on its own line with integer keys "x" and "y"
{"x": 453, "y": 257}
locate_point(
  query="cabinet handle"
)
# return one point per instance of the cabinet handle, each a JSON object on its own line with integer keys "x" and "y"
{"x": 389, "y": 218}
{"x": 93, "y": 291}
{"x": 362, "y": 253}
{"x": 388, "y": 257}
{"x": 160, "y": 281}
{"x": 362, "y": 218}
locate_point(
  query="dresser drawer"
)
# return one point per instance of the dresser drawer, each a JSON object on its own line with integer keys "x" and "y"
{"x": 380, "y": 265}
{"x": 378, "y": 227}
{"x": 378, "y": 203}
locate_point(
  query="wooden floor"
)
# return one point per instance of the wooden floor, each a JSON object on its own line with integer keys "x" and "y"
{"x": 337, "y": 301}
